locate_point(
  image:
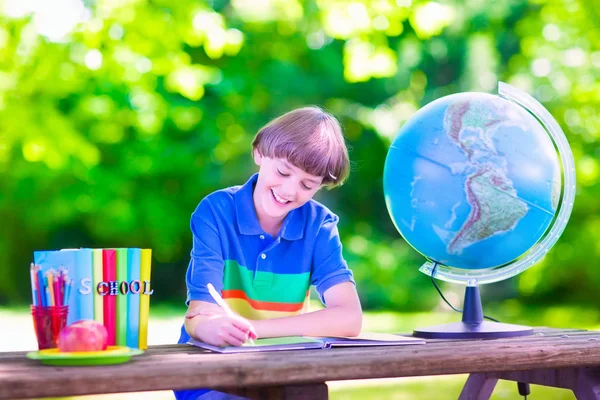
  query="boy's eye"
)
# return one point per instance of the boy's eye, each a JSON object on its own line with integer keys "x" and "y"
{"x": 281, "y": 173}
{"x": 306, "y": 187}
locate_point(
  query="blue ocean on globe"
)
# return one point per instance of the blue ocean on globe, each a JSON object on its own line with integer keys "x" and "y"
{"x": 472, "y": 181}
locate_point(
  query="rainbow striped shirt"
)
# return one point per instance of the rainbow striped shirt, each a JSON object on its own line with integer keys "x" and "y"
{"x": 258, "y": 275}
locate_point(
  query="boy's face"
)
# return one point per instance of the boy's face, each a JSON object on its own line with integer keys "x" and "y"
{"x": 281, "y": 187}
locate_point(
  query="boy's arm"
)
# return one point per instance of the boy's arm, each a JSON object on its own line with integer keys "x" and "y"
{"x": 210, "y": 323}
{"x": 198, "y": 313}
{"x": 206, "y": 321}
{"x": 342, "y": 317}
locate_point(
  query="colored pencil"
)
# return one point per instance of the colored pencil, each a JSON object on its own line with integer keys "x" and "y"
{"x": 50, "y": 286}
{"x": 31, "y": 276}
{"x": 37, "y": 286}
{"x": 40, "y": 278}
{"x": 68, "y": 287}
{"x": 57, "y": 296}
{"x": 48, "y": 297}
{"x": 61, "y": 284}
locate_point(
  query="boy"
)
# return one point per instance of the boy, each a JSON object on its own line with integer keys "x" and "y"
{"x": 262, "y": 245}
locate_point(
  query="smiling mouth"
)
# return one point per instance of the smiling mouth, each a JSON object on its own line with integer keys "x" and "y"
{"x": 279, "y": 199}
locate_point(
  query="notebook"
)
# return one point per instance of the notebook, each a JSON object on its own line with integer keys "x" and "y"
{"x": 305, "y": 342}
{"x": 371, "y": 339}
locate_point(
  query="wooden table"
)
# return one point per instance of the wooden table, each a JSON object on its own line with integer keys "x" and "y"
{"x": 553, "y": 357}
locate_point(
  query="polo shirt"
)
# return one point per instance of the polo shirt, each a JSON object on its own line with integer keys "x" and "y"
{"x": 258, "y": 275}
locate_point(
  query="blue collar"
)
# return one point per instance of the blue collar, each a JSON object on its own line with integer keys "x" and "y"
{"x": 247, "y": 221}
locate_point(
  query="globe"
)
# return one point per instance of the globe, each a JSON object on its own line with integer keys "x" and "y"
{"x": 481, "y": 185}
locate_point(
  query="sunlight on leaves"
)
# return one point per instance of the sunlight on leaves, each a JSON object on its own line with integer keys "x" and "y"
{"x": 363, "y": 60}
{"x": 268, "y": 10}
{"x": 429, "y": 19}
{"x": 189, "y": 81}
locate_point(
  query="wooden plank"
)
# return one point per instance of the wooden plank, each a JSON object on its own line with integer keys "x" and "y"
{"x": 541, "y": 334}
{"x": 588, "y": 384}
{"x": 584, "y": 382}
{"x": 426, "y": 358}
{"x": 318, "y": 391}
{"x": 565, "y": 378}
{"x": 184, "y": 367}
{"x": 586, "y": 394}
{"x": 478, "y": 387}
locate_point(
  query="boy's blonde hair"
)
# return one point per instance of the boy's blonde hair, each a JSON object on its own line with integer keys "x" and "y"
{"x": 310, "y": 139}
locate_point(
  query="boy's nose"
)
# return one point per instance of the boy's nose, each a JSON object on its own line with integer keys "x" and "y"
{"x": 287, "y": 191}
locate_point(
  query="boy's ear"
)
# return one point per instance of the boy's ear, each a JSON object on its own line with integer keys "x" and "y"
{"x": 257, "y": 157}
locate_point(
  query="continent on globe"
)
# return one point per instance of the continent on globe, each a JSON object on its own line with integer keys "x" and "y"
{"x": 494, "y": 209}
{"x": 495, "y": 206}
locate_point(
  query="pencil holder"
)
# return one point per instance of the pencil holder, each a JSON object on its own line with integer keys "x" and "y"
{"x": 47, "y": 322}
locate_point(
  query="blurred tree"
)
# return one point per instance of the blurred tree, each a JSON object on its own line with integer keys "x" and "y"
{"x": 117, "y": 117}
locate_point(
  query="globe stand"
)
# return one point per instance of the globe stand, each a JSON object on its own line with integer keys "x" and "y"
{"x": 473, "y": 326}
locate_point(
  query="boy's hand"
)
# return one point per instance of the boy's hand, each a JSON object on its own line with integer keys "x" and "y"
{"x": 225, "y": 330}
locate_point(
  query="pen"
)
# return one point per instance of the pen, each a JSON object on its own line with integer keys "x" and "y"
{"x": 217, "y": 297}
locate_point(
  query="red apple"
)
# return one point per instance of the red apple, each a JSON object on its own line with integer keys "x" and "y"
{"x": 84, "y": 335}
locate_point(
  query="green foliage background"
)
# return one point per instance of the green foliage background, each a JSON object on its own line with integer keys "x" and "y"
{"x": 112, "y": 129}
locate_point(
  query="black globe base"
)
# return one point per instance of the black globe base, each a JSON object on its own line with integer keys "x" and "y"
{"x": 482, "y": 330}
{"x": 473, "y": 326}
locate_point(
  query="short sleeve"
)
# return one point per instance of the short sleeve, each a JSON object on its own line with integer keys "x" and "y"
{"x": 328, "y": 266}
{"x": 206, "y": 261}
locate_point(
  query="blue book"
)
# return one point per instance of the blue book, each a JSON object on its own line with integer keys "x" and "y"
{"x": 133, "y": 314}
{"x": 83, "y": 285}
{"x": 79, "y": 265}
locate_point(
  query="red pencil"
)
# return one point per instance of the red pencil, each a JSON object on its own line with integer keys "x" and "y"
{"x": 57, "y": 296}
{"x": 61, "y": 284}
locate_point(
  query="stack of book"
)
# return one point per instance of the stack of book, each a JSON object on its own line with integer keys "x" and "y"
{"x": 111, "y": 286}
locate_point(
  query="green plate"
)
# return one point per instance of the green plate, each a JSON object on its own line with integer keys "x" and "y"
{"x": 112, "y": 355}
